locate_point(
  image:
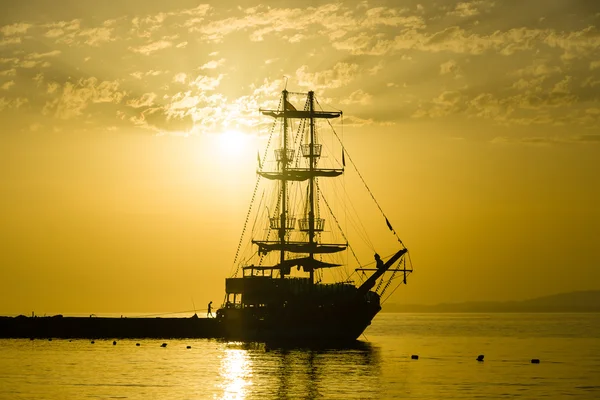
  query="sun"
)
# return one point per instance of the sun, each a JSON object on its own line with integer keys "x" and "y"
{"x": 232, "y": 143}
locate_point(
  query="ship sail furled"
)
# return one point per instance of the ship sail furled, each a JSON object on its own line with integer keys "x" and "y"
{"x": 311, "y": 225}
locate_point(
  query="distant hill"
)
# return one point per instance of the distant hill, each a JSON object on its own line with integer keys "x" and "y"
{"x": 585, "y": 301}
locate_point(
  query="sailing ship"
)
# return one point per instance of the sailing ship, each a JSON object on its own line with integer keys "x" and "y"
{"x": 280, "y": 292}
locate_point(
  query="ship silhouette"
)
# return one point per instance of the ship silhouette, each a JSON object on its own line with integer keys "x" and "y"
{"x": 280, "y": 293}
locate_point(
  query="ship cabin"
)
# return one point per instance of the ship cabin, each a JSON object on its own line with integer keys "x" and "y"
{"x": 259, "y": 287}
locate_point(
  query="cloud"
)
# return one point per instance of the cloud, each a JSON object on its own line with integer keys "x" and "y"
{"x": 12, "y": 104}
{"x": 76, "y": 97}
{"x": 97, "y": 36}
{"x": 365, "y": 43}
{"x": 38, "y": 79}
{"x": 170, "y": 125}
{"x": 543, "y": 106}
{"x": 52, "y": 87}
{"x": 29, "y": 64}
{"x": 450, "y": 67}
{"x": 213, "y": 64}
{"x": 382, "y": 16}
{"x": 590, "y": 81}
{"x": 54, "y": 33}
{"x": 204, "y": 82}
{"x": 358, "y": 97}
{"x": 200, "y": 10}
{"x": 341, "y": 74}
{"x": 562, "y": 87}
{"x": 15, "y": 29}
{"x": 8, "y": 72}
{"x": 376, "y": 69}
{"x": 146, "y": 100}
{"x": 183, "y": 101}
{"x": 10, "y": 40}
{"x": 331, "y": 19}
{"x": 58, "y": 29}
{"x": 37, "y": 56}
{"x": 180, "y": 78}
{"x": 152, "y": 47}
{"x": 7, "y": 85}
{"x": 353, "y": 120}
{"x": 512, "y": 71}
{"x": 575, "y": 44}
{"x": 538, "y": 68}
{"x": 470, "y": 9}
{"x": 458, "y": 40}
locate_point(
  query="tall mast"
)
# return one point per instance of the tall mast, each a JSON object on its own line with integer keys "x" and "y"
{"x": 284, "y": 161}
{"x": 311, "y": 187}
{"x": 286, "y": 173}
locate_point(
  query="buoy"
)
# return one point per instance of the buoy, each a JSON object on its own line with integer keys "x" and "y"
{"x": 163, "y": 345}
{"x": 137, "y": 344}
{"x": 49, "y": 339}
{"x": 114, "y": 342}
{"x": 92, "y": 342}
{"x": 535, "y": 360}
{"x": 414, "y": 357}
{"x": 188, "y": 347}
{"x": 480, "y": 357}
{"x": 31, "y": 338}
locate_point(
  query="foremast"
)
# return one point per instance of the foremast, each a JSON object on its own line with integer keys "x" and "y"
{"x": 284, "y": 161}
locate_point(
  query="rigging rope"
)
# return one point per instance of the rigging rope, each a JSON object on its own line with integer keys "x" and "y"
{"x": 237, "y": 252}
{"x": 363, "y": 181}
{"x": 407, "y": 273}
{"x": 341, "y": 231}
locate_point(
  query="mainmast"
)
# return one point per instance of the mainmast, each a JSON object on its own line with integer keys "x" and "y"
{"x": 284, "y": 161}
{"x": 311, "y": 187}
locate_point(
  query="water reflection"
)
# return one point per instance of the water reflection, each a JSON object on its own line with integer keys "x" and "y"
{"x": 251, "y": 370}
{"x": 236, "y": 371}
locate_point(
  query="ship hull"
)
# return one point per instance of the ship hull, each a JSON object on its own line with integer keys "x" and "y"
{"x": 297, "y": 325}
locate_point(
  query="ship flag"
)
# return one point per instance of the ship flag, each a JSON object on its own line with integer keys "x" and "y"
{"x": 388, "y": 224}
{"x": 258, "y": 157}
{"x": 289, "y": 106}
{"x": 343, "y": 158}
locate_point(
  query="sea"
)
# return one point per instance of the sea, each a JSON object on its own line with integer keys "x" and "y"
{"x": 404, "y": 356}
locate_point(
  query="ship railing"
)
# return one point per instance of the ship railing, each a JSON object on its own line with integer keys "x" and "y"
{"x": 275, "y": 222}
{"x": 304, "y": 224}
{"x": 285, "y": 155}
{"x": 316, "y": 150}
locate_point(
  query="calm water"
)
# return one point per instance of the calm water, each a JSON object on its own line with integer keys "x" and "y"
{"x": 568, "y": 346}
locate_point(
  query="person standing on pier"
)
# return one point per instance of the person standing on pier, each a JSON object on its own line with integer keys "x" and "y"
{"x": 209, "y": 313}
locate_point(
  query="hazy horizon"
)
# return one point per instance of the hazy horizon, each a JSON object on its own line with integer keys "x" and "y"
{"x": 130, "y": 134}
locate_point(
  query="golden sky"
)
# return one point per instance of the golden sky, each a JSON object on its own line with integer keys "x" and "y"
{"x": 130, "y": 132}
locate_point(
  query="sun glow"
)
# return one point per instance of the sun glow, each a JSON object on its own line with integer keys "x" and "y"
{"x": 232, "y": 143}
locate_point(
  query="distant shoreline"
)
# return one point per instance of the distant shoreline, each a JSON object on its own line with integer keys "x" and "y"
{"x": 572, "y": 302}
